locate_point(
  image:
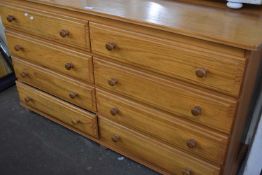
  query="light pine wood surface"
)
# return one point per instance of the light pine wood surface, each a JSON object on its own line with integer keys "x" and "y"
{"x": 222, "y": 73}
{"x": 48, "y": 26}
{"x": 206, "y": 144}
{"x": 237, "y": 28}
{"x": 60, "y": 110}
{"x": 173, "y": 78}
{"x": 149, "y": 150}
{"x": 55, "y": 84}
{"x": 216, "y": 112}
{"x": 51, "y": 56}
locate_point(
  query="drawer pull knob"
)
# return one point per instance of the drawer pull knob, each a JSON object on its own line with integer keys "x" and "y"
{"x": 18, "y": 48}
{"x": 10, "y": 18}
{"x": 196, "y": 111}
{"x": 24, "y": 75}
{"x": 113, "y": 82}
{"x": 201, "y": 73}
{"x": 69, "y": 66}
{"x": 73, "y": 95}
{"x": 75, "y": 122}
{"x": 64, "y": 33}
{"x": 28, "y": 99}
{"x": 115, "y": 138}
{"x": 191, "y": 143}
{"x": 187, "y": 172}
{"x": 110, "y": 46}
{"x": 114, "y": 111}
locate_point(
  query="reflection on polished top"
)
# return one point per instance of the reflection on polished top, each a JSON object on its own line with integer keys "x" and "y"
{"x": 240, "y": 28}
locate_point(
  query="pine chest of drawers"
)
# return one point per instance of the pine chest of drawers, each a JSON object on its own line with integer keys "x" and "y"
{"x": 168, "y": 84}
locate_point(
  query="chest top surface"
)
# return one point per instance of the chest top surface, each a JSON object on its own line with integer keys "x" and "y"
{"x": 204, "y": 20}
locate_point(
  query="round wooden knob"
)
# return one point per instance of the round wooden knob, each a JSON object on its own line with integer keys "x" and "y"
{"x": 28, "y": 99}
{"x": 113, "y": 82}
{"x": 24, "y": 75}
{"x": 196, "y": 111}
{"x": 110, "y": 46}
{"x": 201, "y": 72}
{"x": 69, "y": 66}
{"x": 191, "y": 143}
{"x": 115, "y": 138}
{"x": 18, "y": 48}
{"x": 114, "y": 111}
{"x": 187, "y": 172}
{"x": 75, "y": 122}
{"x": 10, "y": 18}
{"x": 73, "y": 95}
{"x": 64, "y": 33}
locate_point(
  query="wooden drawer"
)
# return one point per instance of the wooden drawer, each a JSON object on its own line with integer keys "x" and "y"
{"x": 195, "y": 140}
{"x": 145, "y": 149}
{"x": 65, "y": 88}
{"x": 188, "y": 102}
{"x": 221, "y": 73}
{"x": 63, "y": 29}
{"x": 69, "y": 115}
{"x": 71, "y": 63}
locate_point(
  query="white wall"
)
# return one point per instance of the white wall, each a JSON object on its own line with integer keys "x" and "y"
{"x": 254, "y": 162}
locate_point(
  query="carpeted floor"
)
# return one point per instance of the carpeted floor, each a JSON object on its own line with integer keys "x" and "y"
{"x": 33, "y": 145}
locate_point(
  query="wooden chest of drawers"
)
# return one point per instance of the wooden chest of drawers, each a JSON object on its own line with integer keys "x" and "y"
{"x": 168, "y": 86}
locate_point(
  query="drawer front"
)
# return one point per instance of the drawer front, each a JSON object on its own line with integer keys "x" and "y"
{"x": 65, "y": 30}
{"x": 205, "y": 108}
{"x": 148, "y": 150}
{"x": 59, "y": 110}
{"x": 65, "y": 88}
{"x": 202, "y": 68}
{"x": 175, "y": 132}
{"x": 71, "y": 63}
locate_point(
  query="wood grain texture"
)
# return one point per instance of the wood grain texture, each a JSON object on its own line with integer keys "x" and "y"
{"x": 68, "y": 114}
{"x": 97, "y": 140}
{"x": 244, "y": 111}
{"x": 217, "y": 112}
{"x": 182, "y": 40}
{"x": 47, "y": 25}
{"x": 223, "y": 73}
{"x": 154, "y": 96}
{"x": 236, "y": 28}
{"x": 172, "y": 130}
{"x": 155, "y": 168}
{"x": 51, "y": 56}
{"x": 152, "y": 151}
{"x": 55, "y": 84}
